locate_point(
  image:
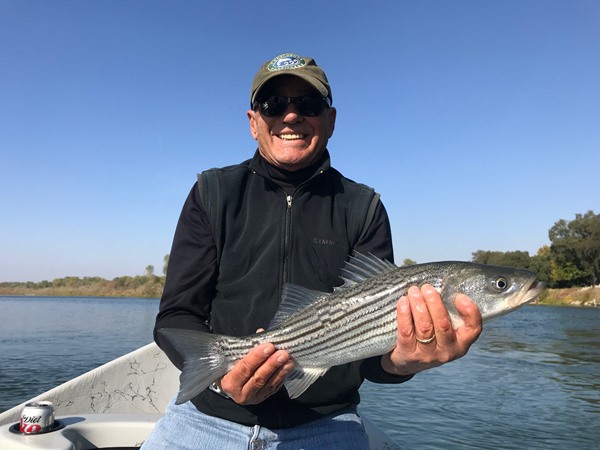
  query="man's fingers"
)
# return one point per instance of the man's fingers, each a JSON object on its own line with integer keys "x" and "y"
{"x": 258, "y": 375}
{"x": 468, "y": 310}
{"x": 471, "y": 316}
{"x": 439, "y": 313}
{"x": 245, "y": 368}
{"x": 406, "y": 331}
{"x": 423, "y": 323}
{"x": 263, "y": 375}
{"x": 269, "y": 377}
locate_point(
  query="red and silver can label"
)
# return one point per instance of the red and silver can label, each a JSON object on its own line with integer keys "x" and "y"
{"x": 37, "y": 417}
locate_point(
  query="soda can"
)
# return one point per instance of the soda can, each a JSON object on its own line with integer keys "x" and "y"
{"x": 37, "y": 417}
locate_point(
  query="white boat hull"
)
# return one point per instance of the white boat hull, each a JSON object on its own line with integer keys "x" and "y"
{"x": 116, "y": 405}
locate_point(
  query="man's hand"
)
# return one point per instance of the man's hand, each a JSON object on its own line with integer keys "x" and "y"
{"x": 426, "y": 338}
{"x": 258, "y": 375}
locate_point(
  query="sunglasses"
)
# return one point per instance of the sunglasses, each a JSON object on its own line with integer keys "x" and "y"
{"x": 306, "y": 105}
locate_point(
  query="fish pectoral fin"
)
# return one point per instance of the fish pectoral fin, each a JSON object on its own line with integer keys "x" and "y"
{"x": 301, "y": 379}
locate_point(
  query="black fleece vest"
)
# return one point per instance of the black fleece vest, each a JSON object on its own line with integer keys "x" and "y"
{"x": 265, "y": 238}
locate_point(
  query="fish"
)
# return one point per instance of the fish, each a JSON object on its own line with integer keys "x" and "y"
{"x": 354, "y": 322}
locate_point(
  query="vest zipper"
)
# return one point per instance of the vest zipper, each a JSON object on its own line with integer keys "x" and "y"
{"x": 286, "y": 237}
{"x": 288, "y": 228}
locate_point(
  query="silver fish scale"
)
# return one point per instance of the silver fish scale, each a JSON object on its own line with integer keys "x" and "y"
{"x": 355, "y": 322}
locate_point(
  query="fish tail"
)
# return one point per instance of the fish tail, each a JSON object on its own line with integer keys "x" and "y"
{"x": 203, "y": 362}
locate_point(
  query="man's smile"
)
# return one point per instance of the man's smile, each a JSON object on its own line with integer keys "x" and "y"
{"x": 290, "y": 136}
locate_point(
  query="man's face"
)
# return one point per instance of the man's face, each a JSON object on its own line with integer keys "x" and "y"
{"x": 291, "y": 141}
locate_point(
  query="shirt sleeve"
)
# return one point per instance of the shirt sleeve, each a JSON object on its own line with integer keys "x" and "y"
{"x": 191, "y": 276}
{"x": 378, "y": 241}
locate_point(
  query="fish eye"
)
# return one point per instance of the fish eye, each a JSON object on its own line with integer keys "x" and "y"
{"x": 500, "y": 283}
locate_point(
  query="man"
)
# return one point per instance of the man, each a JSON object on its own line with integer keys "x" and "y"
{"x": 285, "y": 216}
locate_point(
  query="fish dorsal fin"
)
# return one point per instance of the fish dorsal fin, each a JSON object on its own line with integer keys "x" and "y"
{"x": 363, "y": 267}
{"x": 293, "y": 299}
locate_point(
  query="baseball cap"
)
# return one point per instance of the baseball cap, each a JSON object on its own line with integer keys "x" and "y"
{"x": 291, "y": 64}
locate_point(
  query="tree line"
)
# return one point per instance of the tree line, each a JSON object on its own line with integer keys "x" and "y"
{"x": 571, "y": 260}
{"x": 148, "y": 285}
{"x": 139, "y": 286}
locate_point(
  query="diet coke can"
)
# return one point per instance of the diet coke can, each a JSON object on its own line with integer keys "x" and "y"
{"x": 37, "y": 417}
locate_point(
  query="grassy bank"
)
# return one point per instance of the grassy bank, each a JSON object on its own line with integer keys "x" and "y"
{"x": 135, "y": 287}
{"x": 585, "y": 297}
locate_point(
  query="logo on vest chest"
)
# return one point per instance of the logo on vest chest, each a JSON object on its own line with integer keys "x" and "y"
{"x": 323, "y": 241}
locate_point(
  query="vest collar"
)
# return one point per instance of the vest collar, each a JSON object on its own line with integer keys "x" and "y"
{"x": 284, "y": 177}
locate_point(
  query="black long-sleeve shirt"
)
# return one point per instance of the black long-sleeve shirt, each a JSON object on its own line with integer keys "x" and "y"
{"x": 193, "y": 284}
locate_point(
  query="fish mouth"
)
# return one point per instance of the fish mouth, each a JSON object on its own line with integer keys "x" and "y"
{"x": 534, "y": 289}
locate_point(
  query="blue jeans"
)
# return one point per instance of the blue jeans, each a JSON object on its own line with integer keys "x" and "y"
{"x": 185, "y": 428}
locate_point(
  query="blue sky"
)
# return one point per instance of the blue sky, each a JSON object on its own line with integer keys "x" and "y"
{"x": 477, "y": 121}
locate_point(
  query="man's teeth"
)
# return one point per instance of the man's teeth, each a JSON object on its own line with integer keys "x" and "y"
{"x": 289, "y": 136}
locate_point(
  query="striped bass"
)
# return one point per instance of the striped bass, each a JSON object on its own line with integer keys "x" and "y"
{"x": 356, "y": 321}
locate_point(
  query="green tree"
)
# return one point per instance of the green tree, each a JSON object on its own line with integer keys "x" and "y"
{"x": 541, "y": 265}
{"x": 165, "y": 264}
{"x": 575, "y": 250}
{"x": 408, "y": 262}
{"x": 149, "y": 270}
{"x": 519, "y": 259}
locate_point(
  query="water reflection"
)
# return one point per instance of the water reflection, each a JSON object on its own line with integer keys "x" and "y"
{"x": 47, "y": 341}
{"x": 531, "y": 381}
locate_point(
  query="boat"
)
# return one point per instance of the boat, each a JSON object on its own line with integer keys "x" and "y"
{"x": 115, "y": 406}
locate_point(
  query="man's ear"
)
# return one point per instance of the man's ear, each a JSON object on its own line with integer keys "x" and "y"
{"x": 332, "y": 115}
{"x": 252, "y": 118}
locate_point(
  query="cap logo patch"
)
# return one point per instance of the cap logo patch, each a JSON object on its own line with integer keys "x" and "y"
{"x": 286, "y": 61}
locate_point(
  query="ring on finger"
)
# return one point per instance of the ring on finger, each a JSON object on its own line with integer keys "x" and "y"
{"x": 426, "y": 341}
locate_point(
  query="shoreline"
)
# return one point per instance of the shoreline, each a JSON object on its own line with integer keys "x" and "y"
{"x": 582, "y": 297}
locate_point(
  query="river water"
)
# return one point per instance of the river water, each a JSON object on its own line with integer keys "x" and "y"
{"x": 532, "y": 380}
